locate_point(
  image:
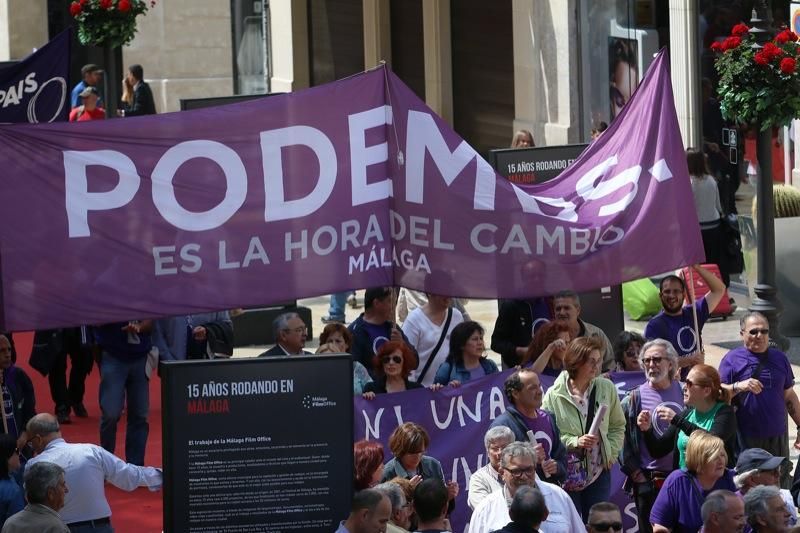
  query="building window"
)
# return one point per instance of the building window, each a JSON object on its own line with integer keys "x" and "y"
{"x": 250, "y": 32}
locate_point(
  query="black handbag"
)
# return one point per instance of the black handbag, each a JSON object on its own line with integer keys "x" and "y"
{"x": 47, "y": 345}
{"x": 732, "y": 245}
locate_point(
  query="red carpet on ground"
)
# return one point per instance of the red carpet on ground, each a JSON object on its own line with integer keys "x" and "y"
{"x": 140, "y": 511}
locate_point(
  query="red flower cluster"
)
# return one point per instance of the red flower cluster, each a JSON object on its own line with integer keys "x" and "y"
{"x": 740, "y": 29}
{"x": 788, "y": 65}
{"x": 124, "y": 6}
{"x": 728, "y": 44}
{"x": 785, "y": 36}
{"x": 761, "y": 58}
{"x": 75, "y": 9}
{"x": 106, "y": 4}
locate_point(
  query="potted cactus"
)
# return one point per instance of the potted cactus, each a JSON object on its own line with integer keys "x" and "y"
{"x": 787, "y": 255}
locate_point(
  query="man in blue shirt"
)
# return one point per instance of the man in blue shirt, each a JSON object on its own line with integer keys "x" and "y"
{"x": 91, "y": 75}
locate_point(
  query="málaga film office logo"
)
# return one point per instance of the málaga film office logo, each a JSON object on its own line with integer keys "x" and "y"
{"x": 317, "y": 401}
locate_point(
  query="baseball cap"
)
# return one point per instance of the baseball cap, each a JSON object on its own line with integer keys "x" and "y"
{"x": 91, "y": 67}
{"x": 87, "y": 91}
{"x": 757, "y": 459}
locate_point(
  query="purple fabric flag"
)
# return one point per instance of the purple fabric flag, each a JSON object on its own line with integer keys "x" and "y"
{"x": 456, "y": 421}
{"x": 342, "y": 186}
{"x": 35, "y": 89}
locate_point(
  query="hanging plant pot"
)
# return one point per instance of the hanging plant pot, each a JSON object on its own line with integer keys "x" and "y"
{"x": 107, "y": 23}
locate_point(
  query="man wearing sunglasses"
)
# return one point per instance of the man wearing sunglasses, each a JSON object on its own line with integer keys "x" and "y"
{"x": 604, "y": 517}
{"x": 518, "y": 468}
{"x": 761, "y": 381}
{"x": 759, "y": 467}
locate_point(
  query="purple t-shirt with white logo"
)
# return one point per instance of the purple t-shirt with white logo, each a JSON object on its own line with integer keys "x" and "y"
{"x": 679, "y": 330}
{"x": 542, "y": 427}
{"x": 678, "y": 503}
{"x": 759, "y": 415}
{"x": 378, "y": 335}
{"x": 651, "y": 399}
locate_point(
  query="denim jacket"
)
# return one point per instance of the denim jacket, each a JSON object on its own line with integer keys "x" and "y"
{"x": 449, "y": 371}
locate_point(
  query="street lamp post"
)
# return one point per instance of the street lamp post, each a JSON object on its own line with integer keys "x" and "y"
{"x": 766, "y": 294}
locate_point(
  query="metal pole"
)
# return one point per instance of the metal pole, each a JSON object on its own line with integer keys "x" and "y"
{"x": 766, "y": 294}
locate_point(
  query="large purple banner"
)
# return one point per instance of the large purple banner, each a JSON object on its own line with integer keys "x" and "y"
{"x": 456, "y": 420}
{"x": 348, "y": 185}
{"x": 35, "y": 89}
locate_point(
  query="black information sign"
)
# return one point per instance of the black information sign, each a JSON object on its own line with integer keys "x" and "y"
{"x": 527, "y": 166}
{"x": 257, "y": 444}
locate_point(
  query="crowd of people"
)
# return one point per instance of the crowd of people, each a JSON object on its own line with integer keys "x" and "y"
{"x": 701, "y": 448}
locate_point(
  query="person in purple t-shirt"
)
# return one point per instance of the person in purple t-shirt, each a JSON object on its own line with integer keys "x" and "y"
{"x": 675, "y": 322}
{"x": 761, "y": 380}
{"x": 646, "y": 473}
{"x": 524, "y": 413}
{"x": 678, "y": 504}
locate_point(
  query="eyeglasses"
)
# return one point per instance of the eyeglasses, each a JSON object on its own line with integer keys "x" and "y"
{"x": 605, "y": 526}
{"x": 298, "y": 330}
{"x": 521, "y": 472}
{"x": 690, "y": 383}
{"x": 774, "y": 472}
{"x": 393, "y": 359}
{"x": 652, "y": 360}
{"x": 631, "y": 352}
{"x": 758, "y": 331}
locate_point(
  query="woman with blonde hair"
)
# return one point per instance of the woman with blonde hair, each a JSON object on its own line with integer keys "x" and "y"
{"x": 575, "y": 398}
{"x": 706, "y": 409}
{"x": 677, "y": 506}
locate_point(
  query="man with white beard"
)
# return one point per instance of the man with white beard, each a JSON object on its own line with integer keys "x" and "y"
{"x": 662, "y": 390}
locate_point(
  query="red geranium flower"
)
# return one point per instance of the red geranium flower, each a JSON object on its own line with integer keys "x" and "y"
{"x": 716, "y": 46}
{"x": 782, "y": 37}
{"x": 772, "y": 51}
{"x": 106, "y": 4}
{"x": 788, "y": 65}
{"x": 730, "y": 43}
{"x": 740, "y": 29}
{"x": 83, "y": 2}
{"x": 74, "y": 9}
{"x": 761, "y": 58}
{"x": 124, "y": 6}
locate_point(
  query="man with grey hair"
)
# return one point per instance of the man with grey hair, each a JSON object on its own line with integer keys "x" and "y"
{"x": 567, "y": 309}
{"x": 723, "y": 512}
{"x": 646, "y": 472}
{"x": 761, "y": 380}
{"x": 488, "y": 479}
{"x": 87, "y": 468}
{"x": 290, "y": 336}
{"x": 400, "y": 519}
{"x": 45, "y": 489}
{"x": 527, "y": 511}
{"x": 765, "y": 510}
{"x": 518, "y": 468}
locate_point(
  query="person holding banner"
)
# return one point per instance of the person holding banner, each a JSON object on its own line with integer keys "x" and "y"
{"x": 706, "y": 409}
{"x": 678, "y": 505}
{"x": 646, "y": 473}
{"x": 467, "y": 359}
{"x": 676, "y": 322}
{"x": 391, "y": 366}
{"x": 588, "y": 413}
{"x": 374, "y": 327}
{"x": 525, "y": 417}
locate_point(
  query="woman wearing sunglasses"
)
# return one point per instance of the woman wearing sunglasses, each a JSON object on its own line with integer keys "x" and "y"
{"x": 677, "y": 506}
{"x": 393, "y": 363}
{"x": 706, "y": 409}
{"x": 12, "y": 498}
{"x": 627, "y": 346}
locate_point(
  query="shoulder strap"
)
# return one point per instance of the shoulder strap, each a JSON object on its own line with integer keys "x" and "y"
{"x": 435, "y": 351}
{"x": 590, "y": 414}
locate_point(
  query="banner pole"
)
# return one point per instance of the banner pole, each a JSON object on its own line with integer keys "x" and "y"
{"x": 694, "y": 310}
{"x": 3, "y": 403}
